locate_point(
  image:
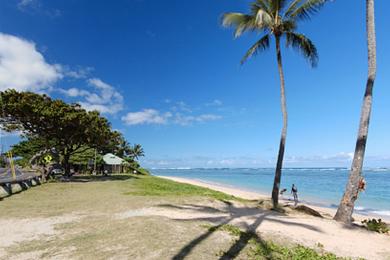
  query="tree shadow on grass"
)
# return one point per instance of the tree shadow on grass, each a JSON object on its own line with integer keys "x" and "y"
{"x": 244, "y": 239}
{"x": 186, "y": 250}
{"x": 235, "y": 213}
{"x": 99, "y": 178}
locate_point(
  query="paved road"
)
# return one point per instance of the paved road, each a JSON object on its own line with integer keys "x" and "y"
{"x": 6, "y": 175}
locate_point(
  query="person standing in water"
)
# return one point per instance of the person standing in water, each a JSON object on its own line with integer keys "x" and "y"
{"x": 294, "y": 192}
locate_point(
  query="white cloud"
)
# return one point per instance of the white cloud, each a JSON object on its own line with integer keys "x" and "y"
{"x": 181, "y": 106}
{"x": 152, "y": 116}
{"x": 257, "y": 161}
{"x": 339, "y": 158}
{"x": 189, "y": 119}
{"x": 206, "y": 161}
{"x": 215, "y": 103}
{"x": 105, "y": 98}
{"x": 207, "y": 117}
{"x": 106, "y": 94}
{"x": 23, "y": 68}
{"x": 180, "y": 114}
{"x": 146, "y": 116}
{"x": 36, "y": 7}
{"x": 24, "y": 3}
{"x": 78, "y": 73}
{"x": 74, "y": 92}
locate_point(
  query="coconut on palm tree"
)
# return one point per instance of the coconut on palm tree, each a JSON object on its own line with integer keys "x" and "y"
{"x": 277, "y": 19}
{"x": 356, "y": 182}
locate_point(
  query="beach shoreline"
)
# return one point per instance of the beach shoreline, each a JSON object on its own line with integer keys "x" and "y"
{"x": 254, "y": 195}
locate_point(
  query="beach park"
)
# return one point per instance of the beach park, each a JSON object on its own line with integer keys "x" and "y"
{"x": 140, "y": 129}
{"x": 144, "y": 217}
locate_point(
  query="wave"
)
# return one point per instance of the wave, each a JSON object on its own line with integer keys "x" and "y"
{"x": 173, "y": 168}
{"x": 381, "y": 212}
{"x": 371, "y": 211}
{"x": 377, "y": 169}
{"x": 360, "y": 208}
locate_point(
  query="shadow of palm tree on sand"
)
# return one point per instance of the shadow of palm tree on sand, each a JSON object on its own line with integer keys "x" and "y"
{"x": 249, "y": 218}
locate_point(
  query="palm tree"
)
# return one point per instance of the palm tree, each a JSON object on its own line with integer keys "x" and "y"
{"x": 137, "y": 151}
{"x": 345, "y": 210}
{"x": 277, "y": 19}
{"x": 124, "y": 148}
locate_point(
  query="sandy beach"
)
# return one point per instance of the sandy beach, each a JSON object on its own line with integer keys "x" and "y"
{"x": 308, "y": 230}
{"x": 250, "y": 195}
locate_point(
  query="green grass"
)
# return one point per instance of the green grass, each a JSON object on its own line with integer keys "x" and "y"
{"x": 260, "y": 249}
{"x": 143, "y": 171}
{"x": 154, "y": 186}
{"x": 96, "y": 232}
{"x": 298, "y": 252}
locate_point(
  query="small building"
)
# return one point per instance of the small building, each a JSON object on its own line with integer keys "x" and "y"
{"x": 113, "y": 163}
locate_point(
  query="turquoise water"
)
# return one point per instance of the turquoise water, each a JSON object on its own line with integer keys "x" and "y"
{"x": 322, "y": 186}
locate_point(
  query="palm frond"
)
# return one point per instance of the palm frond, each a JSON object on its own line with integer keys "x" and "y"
{"x": 260, "y": 4}
{"x": 241, "y": 22}
{"x": 260, "y": 45}
{"x": 281, "y": 4}
{"x": 263, "y": 19}
{"x": 303, "y": 44}
{"x": 299, "y": 10}
{"x": 288, "y": 25}
{"x": 276, "y": 6}
{"x": 292, "y": 7}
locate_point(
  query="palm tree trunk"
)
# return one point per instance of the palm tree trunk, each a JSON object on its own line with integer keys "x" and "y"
{"x": 346, "y": 207}
{"x": 279, "y": 164}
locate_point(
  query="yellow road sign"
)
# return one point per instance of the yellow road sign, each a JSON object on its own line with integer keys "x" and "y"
{"x": 48, "y": 158}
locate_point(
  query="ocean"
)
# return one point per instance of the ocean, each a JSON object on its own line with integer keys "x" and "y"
{"x": 316, "y": 186}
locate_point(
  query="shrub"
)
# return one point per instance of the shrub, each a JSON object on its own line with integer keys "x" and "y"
{"x": 376, "y": 225}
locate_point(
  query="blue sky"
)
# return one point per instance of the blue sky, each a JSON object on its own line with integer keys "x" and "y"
{"x": 168, "y": 76}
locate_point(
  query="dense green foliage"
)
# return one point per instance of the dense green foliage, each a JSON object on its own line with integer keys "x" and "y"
{"x": 154, "y": 186}
{"x": 124, "y": 150}
{"x": 67, "y": 128}
{"x": 86, "y": 157}
{"x": 3, "y": 161}
{"x": 27, "y": 148}
{"x": 376, "y": 225}
{"x": 137, "y": 151}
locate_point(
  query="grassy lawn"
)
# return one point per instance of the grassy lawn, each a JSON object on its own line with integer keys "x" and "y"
{"x": 150, "y": 186}
{"x": 121, "y": 217}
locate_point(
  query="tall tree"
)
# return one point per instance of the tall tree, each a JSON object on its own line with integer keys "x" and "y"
{"x": 347, "y": 204}
{"x": 123, "y": 148}
{"x": 277, "y": 19}
{"x": 68, "y": 128}
{"x": 137, "y": 151}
